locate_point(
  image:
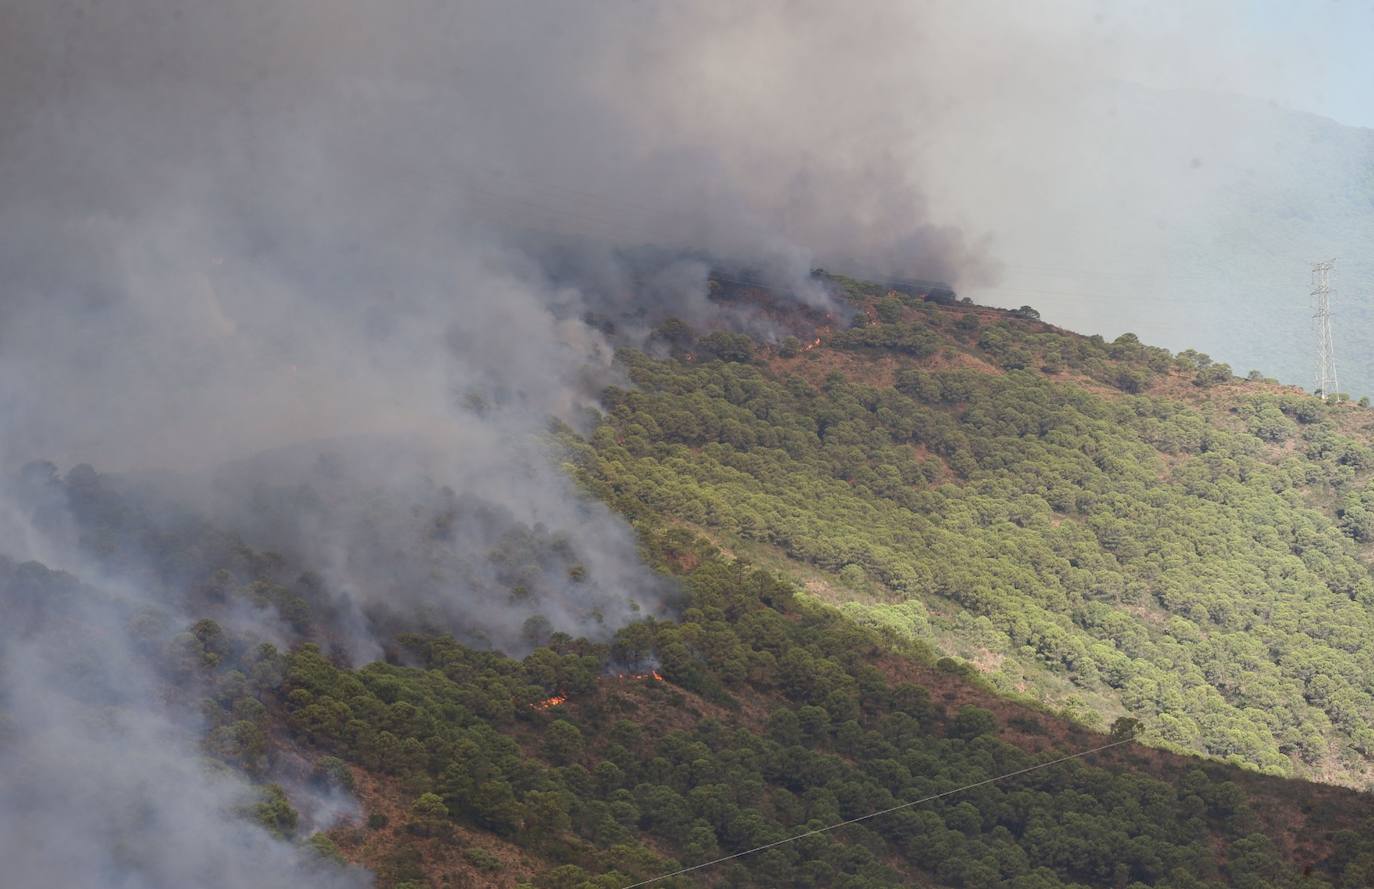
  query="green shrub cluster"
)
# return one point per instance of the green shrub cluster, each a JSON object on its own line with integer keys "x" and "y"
{"x": 615, "y": 787}
{"x": 1196, "y": 567}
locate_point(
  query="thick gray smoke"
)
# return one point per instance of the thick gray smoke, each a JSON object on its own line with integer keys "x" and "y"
{"x": 233, "y": 228}
{"x": 102, "y": 782}
{"x": 329, "y": 265}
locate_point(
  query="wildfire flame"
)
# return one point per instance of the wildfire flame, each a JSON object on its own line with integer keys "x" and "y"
{"x": 811, "y": 345}
{"x": 557, "y": 700}
{"x": 652, "y": 674}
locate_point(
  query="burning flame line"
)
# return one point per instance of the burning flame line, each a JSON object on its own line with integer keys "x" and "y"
{"x": 652, "y": 674}
{"x": 557, "y": 700}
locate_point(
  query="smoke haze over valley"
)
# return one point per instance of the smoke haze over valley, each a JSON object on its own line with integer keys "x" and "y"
{"x": 309, "y": 288}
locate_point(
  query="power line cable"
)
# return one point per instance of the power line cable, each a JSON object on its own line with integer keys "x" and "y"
{"x": 887, "y": 811}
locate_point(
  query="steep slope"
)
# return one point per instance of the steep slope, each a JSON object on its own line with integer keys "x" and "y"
{"x": 752, "y": 718}
{"x": 907, "y": 553}
{"x": 1102, "y": 526}
{"x": 772, "y": 718}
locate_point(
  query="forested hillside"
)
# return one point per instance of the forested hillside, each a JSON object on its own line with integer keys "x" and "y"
{"x": 1102, "y": 526}
{"x": 541, "y": 446}
{"x": 913, "y": 546}
{"x": 753, "y": 717}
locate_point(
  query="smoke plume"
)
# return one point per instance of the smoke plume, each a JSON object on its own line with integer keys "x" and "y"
{"x": 316, "y": 277}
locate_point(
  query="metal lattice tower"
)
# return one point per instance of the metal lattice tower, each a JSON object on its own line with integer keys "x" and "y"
{"x": 1321, "y": 317}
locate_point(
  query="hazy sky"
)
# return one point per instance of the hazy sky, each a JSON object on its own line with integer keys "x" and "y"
{"x": 1187, "y": 202}
{"x": 1324, "y": 48}
{"x": 1311, "y": 55}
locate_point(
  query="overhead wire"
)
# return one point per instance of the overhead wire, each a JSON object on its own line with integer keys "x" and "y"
{"x": 847, "y": 822}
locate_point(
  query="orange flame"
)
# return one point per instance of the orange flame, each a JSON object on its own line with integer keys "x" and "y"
{"x": 811, "y": 345}
{"x": 652, "y": 674}
{"x": 547, "y": 703}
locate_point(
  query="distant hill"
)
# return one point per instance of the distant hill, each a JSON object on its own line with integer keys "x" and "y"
{"x": 1189, "y": 219}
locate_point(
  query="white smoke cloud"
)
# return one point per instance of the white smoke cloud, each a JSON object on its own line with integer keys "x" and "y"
{"x": 351, "y": 246}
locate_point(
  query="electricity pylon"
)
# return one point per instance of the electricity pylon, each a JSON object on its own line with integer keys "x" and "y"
{"x": 1321, "y": 317}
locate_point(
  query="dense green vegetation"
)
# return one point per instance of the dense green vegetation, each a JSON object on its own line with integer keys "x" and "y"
{"x": 1193, "y": 561}
{"x": 931, "y": 536}
{"x": 774, "y": 718}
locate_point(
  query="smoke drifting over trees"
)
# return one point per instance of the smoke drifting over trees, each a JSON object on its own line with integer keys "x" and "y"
{"x": 375, "y": 235}
{"x": 236, "y": 223}
{"x": 369, "y": 234}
